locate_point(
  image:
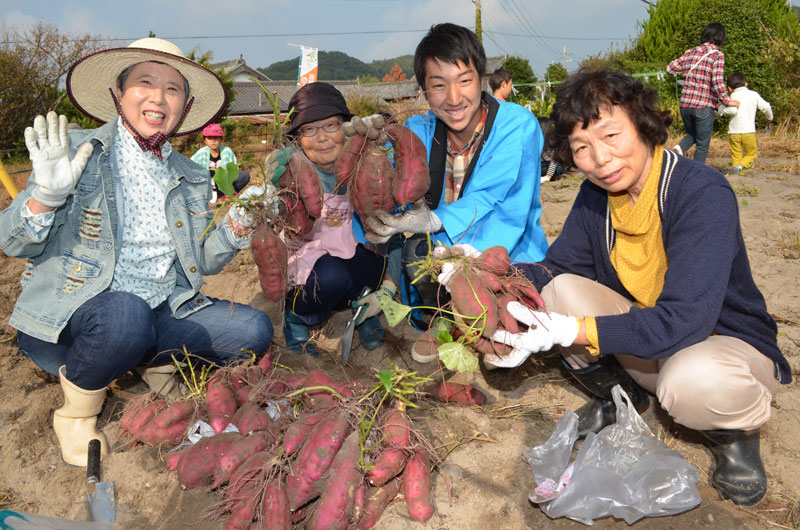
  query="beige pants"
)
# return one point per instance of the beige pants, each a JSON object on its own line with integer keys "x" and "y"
{"x": 720, "y": 383}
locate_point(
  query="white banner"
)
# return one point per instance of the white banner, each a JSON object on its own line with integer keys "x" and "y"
{"x": 308, "y": 66}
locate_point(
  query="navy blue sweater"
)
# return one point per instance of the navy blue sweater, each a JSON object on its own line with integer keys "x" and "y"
{"x": 708, "y": 285}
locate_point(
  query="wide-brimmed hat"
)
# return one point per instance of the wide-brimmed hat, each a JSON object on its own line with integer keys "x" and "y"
{"x": 316, "y": 101}
{"x": 90, "y": 78}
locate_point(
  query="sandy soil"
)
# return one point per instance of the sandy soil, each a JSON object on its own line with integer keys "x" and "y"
{"x": 483, "y": 481}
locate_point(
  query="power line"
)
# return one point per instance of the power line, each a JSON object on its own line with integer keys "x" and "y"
{"x": 558, "y": 37}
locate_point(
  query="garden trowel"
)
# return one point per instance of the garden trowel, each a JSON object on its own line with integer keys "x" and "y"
{"x": 99, "y": 495}
{"x": 347, "y": 338}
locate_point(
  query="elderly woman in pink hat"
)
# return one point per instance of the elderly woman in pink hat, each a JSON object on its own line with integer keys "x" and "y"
{"x": 112, "y": 227}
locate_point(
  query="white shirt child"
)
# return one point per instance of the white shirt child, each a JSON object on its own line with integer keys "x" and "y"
{"x": 743, "y": 119}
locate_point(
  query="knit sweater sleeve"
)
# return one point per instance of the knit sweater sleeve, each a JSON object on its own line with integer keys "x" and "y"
{"x": 700, "y": 239}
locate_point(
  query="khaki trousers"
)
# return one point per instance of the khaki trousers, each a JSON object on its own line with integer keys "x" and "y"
{"x": 720, "y": 383}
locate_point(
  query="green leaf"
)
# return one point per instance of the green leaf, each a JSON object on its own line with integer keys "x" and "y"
{"x": 395, "y": 311}
{"x": 457, "y": 357}
{"x": 444, "y": 337}
{"x": 225, "y": 177}
{"x": 386, "y": 379}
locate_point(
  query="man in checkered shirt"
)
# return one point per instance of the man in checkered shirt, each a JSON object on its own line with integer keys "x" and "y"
{"x": 704, "y": 88}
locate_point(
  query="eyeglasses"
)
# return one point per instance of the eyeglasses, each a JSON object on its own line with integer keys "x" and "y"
{"x": 311, "y": 130}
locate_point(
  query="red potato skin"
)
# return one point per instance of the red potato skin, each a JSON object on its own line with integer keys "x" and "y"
{"x": 251, "y": 417}
{"x": 412, "y": 176}
{"x": 375, "y": 502}
{"x": 471, "y": 304}
{"x": 315, "y": 457}
{"x": 459, "y": 394}
{"x": 507, "y": 322}
{"x": 296, "y": 433}
{"x": 246, "y": 477}
{"x": 135, "y": 418}
{"x": 241, "y": 517}
{"x": 396, "y": 429}
{"x": 336, "y": 504}
{"x": 236, "y": 454}
{"x": 388, "y": 465}
{"x": 397, "y": 435}
{"x": 272, "y": 259}
{"x": 494, "y": 260}
{"x": 491, "y": 281}
{"x": 221, "y": 403}
{"x": 358, "y": 502}
{"x": 173, "y": 459}
{"x": 265, "y": 363}
{"x": 277, "y": 515}
{"x": 417, "y": 487}
{"x": 371, "y": 189}
{"x": 307, "y": 182}
{"x": 524, "y": 291}
{"x": 196, "y": 466}
{"x": 243, "y": 395}
{"x": 169, "y": 425}
{"x": 347, "y": 161}
{"x": 293, "y": 209}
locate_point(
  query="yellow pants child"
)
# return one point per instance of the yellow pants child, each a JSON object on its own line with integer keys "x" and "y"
{"x": 743, "y": 149}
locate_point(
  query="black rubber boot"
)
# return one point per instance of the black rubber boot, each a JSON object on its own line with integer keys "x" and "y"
{"x": 597, "y": 380}
{"x": 297, "y": 335}
{"x": 739, "y": 475}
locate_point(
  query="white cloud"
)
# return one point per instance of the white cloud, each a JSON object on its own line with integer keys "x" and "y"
{"x": 17, "y": 18}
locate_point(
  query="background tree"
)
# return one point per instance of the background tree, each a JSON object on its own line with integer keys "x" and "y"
{"x": 521, "y": 73}
{"x": 395, "y": 74}
{"x": 555, "y": 72}
{"x": 33, "y": 63}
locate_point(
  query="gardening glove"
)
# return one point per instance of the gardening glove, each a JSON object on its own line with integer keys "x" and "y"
{"x": 550, "y": 329}
{"x": 387, "y": 288}
{"x": 277, "y": 162}
{"x": 419, "y": 219}
{"x": 449, "y": 267}
{"x": 371, "y": 126}
{"x": 54, "y": 174}
{"x": 239, "y": 219}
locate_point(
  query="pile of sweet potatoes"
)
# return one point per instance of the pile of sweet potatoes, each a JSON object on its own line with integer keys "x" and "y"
{"x": 480, "y": 290}
{"x": 315, "y": 460}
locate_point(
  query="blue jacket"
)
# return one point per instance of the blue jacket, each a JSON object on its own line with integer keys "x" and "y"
{"x": 75, "y": 262}
{"x": 499, "y": 204}
{"x": 708, "y": 286}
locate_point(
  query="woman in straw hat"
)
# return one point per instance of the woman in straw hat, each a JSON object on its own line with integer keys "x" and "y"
{"x": 112, "y": 226}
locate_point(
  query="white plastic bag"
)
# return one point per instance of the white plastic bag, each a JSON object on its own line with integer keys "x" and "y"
{"x": 623, "y": 471}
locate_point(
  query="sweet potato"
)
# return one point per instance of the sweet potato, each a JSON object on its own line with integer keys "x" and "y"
{"x": 277, "y": 515}
{"x": 251, "y": 417}
{"x": 169, "y": 425}
{"x": 317, "y": 377}
{"x": 456, "y": 393}
{"x": 396, "y": 431}
{"x": 358, "y": 501}
{"x": 388, "y": 465}
{"x": 296, "y": 433}
{"x": 412, "y": 177}
{"x": 196, "y": 466}
{"x": 507, "y": 321}
{"x": 246, "y": 477}
{"x": 236, "y": 453}
{"x": 137, "y": 416}
{"x": 417, "y": 486}
{"x": 491, "y": 281}
{"x": 375, "y": 502}
{"x": 470, "y": 298}
{"x": 371, "y": 188}
{"x": 315, "y": 457}
{"x": 488, "y": 346}
{"x": 349, "y": 158}
{"x": 308, "y": 185}
{"x": 243, "y": 395}
{"x": 495, "y": 260}
{"x": 241, "y": 516}
{"x": 272, "y": 258}
{"x": 336, "y": 504}
{"x": 173, "y": 459}
{"x": 396, "y": 428}
{"x": 265, "y": 363}
{"x": 221, "y": 403}
{"x": 293, "y": 209}
{"x": 524, "y": 291}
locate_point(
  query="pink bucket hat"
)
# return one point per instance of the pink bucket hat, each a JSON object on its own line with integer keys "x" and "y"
{"x": 214, "y": 129}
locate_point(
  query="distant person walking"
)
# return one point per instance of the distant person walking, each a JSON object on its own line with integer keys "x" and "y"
{"x": 703, "y": 71}
{"x": 501, "y": 84}
{"x": 742, "y": 127}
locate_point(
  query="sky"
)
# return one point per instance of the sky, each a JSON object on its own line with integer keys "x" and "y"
{"x": 263, "y": 31}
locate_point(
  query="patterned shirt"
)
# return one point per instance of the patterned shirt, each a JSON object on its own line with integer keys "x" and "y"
{"x": 456, "y": 165}
{"x": 704, "y": 85}
{"x": 147, "y": 252}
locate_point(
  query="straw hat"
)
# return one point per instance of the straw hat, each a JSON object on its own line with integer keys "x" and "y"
{"x": 90, "y": 78}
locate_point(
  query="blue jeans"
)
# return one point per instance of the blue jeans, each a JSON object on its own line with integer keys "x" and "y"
{"x": 115, "y": 332}
{"x": 699, "y": 124}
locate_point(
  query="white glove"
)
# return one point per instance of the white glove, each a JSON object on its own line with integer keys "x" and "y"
{"x": 237, "y": 214}
{"x": 371, "y": 126}
{"x": 387, "y": 288}
{"x": 449, "y": 267}
{"x": 419, "y": 219}
{"x": 54, "y": 174}
{"x": 551, "y": 329}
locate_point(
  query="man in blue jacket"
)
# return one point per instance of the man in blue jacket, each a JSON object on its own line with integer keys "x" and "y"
{"x": 484, "y": 159}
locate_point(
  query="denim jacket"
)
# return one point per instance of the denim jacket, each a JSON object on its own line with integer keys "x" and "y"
{"x": 76, "y": 260}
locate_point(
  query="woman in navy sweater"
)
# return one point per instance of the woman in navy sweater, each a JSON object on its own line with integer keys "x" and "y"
{"x": 649, "y": 286}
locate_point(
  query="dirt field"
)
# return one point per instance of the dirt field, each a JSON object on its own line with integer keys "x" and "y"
{"x": 483, "y": 482}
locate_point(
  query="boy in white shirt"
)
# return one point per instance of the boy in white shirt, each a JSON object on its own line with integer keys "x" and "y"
{"x": 742, "y": 127}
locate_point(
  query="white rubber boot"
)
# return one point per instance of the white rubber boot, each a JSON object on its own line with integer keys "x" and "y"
{"x": 75, "y": 423}
{"x": 161, "y": 380}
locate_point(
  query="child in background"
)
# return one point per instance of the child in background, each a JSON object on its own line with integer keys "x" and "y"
{"x": 742, "y": 127}
{"x": 215, "y": 155}
{"x": 550, "y": 169}
{"x": 501, "y": 84}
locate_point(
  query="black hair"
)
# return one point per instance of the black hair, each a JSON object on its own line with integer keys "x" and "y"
{"x": 546, "y": 124}
{"x": 585, "y": 93}
{"x": 123, "y": 76}
{"x": 452, "y": 44}
{"x": 714, "y": 32}
{"x": 736, "y": 79}
{"x": 497, "y": 78}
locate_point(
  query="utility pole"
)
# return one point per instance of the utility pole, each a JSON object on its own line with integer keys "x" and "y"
{"x": 478, "y": 30}
{"x": 565, "y": 58}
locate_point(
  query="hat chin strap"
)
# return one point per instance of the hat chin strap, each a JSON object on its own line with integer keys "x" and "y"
{"x": 152, "y": 144}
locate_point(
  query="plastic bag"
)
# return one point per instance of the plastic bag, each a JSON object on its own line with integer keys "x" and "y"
{"x": 623, "y": 471}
